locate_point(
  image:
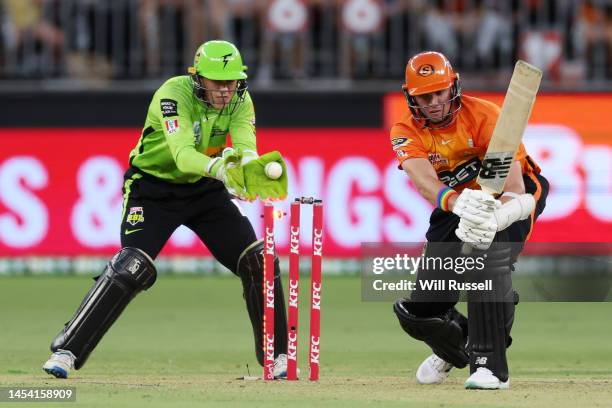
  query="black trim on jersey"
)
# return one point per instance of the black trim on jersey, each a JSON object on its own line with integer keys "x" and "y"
{"x": 461, "y": 174}
{"x": 146, "y": 132}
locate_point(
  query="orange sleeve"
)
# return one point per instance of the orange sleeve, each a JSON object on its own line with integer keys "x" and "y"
{"x": 405, "y": 143}
{"x": 488, "y": 113}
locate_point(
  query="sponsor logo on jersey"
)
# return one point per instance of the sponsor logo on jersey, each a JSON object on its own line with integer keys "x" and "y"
{"x": 216, "y": 132}
{"x": 437, "y": 159}
{"x": 135, "y": 215}
{"x": 169, "y": 107}
{"x": 461, "y": 174}
{"x": 399, "y": 142}
{"x": 197, "y": 133}
{"x": 172, "y": 126}
{"x": 470, "y": 142}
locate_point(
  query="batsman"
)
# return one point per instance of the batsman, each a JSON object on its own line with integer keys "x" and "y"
{"x": 181, "y": 172}
{"x": 442, "y": 143}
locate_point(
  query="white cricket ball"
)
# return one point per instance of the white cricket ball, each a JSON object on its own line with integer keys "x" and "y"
{"x": 273, "y": 170}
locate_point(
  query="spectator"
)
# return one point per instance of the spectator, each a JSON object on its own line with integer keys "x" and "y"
{"x": 28, "y": 31}
{"x": 439, "y": 30}
{"x": 488, "y": 32}
{"x": 238, "y": 21}
{"x": 284, "y": 40}
{"x": 172, "y": 28}
{"x": 591, "y": 41}
{"x": 361, "y": 37}
{"x": 608, "y": 31}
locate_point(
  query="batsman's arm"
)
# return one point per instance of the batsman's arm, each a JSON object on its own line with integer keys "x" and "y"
{"x": 514, "y": 182}
{"x": 426, "y": 180}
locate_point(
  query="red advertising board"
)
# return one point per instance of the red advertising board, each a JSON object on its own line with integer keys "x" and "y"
{"x": 60, "y": 189}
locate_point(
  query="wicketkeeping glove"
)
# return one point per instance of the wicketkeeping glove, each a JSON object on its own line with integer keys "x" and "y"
{"x": 228, "y": 170}
{"x": 258, "y": 184}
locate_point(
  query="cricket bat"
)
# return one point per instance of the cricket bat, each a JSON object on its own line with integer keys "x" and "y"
{"x": 510, "y": 126}
{"x": 509, "y": 129}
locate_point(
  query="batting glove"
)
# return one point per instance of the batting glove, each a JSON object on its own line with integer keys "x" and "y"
{"x": 475, "y": 206}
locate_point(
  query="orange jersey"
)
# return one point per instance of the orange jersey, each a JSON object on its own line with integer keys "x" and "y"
{"x": 455, "y": 152}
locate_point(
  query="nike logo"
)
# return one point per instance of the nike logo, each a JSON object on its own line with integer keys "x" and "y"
{"x": 128, "y": 232}
{"x": 445, "y": 142}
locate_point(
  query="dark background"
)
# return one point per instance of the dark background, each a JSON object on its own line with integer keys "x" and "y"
{"x": 119, "y": 109}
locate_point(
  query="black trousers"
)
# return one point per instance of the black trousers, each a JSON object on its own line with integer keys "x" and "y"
{"x": 153, "y": 209}
{"x": 442, "y": 226}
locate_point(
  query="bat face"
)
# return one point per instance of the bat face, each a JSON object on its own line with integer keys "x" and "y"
{"x": 510, "y": 126}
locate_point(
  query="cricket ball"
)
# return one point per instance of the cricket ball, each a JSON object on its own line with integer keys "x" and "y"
{"x": 273, "y": 170}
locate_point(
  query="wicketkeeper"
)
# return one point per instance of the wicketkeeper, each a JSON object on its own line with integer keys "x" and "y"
{"x": 182, "y": 173}
{"x": 440, "y": 144}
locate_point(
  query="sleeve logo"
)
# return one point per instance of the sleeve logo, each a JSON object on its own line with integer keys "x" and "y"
{"x": 169, "y": 108}
{"x": 398, "y": 142}
{"x": 436, "y": 159}
{"x": 172, "y": 126}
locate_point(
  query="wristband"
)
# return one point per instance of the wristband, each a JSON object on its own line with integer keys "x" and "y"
{"x": 444, "y": 196}
{"x": 213, "y": 167}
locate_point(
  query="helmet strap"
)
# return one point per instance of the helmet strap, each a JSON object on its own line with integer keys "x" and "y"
{"x": 199, "y": 91}
{"x": 455, "y": 106}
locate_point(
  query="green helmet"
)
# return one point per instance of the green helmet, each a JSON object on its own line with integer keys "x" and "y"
{"x": 218, "y": 60}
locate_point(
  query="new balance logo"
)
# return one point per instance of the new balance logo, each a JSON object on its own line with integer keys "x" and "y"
{"x": 481, "y": 361}
{"x": 495, "y": 167}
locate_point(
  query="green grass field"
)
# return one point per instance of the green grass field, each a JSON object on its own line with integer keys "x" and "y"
{"x": 186, "y": 341}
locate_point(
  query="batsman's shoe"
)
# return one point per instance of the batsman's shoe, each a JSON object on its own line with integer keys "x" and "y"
{"x": 280, "y": 367}
{"x": 433, "y": 370}
{"x": 60, "y": 363}
{"x": 483, "y": 379}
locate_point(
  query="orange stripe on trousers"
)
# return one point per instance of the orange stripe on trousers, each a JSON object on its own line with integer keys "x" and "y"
{"x": 536, "y": 196}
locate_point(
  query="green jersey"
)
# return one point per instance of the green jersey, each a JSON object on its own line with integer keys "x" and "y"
{"x": 181, "y": 134}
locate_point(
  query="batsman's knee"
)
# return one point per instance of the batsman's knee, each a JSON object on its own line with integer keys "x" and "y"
{"x": 446, "y": 334}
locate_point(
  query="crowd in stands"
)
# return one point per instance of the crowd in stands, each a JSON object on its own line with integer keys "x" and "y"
{"x": 303, "y": 39}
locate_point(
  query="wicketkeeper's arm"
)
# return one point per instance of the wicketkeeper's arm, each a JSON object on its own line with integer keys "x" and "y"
{"x": 242, "y": 130}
